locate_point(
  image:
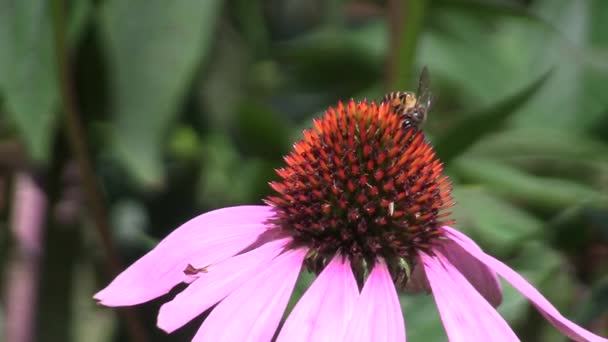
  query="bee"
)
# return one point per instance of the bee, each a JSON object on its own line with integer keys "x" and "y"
{"x": 413, "y": 107}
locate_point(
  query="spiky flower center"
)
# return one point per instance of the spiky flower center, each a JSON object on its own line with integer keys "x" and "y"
{"x": 363, "y": 185}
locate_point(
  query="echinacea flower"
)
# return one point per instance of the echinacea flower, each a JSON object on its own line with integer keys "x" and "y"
{"x": 361, "y": 202}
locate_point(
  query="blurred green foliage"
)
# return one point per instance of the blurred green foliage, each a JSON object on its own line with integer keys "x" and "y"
{"x": 189, "y": 105}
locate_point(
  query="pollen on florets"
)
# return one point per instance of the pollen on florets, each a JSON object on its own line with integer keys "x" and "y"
{"x": 363, "y": 185}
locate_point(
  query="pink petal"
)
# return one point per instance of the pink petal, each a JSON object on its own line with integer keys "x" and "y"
{"x": 478, "y": 274}
{"x": 563, "y": 324}
{"x": 325, "y": 309}
{"x": 418, "y": 281}
{"x": 253, "y": 311}
{"x": 218, "y": 282}
{"x": 466, "y": 315}
{"x": 377, "y": 315}
{"x": 204, "y": 240}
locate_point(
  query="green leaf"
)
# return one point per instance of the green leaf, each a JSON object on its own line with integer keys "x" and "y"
{"x": 485, "y": 48}
{"x": 573, "y": 99}
{"x": 535, "y": 142}
{"x": 541, "y": 192}
{"x": 223, "y": 167}
{"x": 88, "y": 322}
{"x": 422, "y": 320}
{"x": 184, "y": 143}
{"x": 80, "y": 14}
{"x": 263, "y": 132}
{"x": 460, "y": 50}
{"x": 129, "y": 222}
{"x": 224, "y": 83}
{"x": 493, "y": 221}
{"x": 153, "y": 48}
{"x": 28, "y": 80}
{"x": 250, "y": 17}
{"x": 473, "y": 127}
{"x": 541, "y": 266}
{"x": 350, "y": 59}
{"x": 487, "y": 8}
{"x": 594, "y": 306}
{"x": 548, "y": 152}
{"x": 217, "y": 173}
{"x": 594, "y": 104}
{"x": 514, "y": 306}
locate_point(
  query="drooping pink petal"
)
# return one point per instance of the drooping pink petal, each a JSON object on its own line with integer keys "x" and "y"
{"x": 417, "y": 281}
{"x": 325, "y": 309}
{"x": 377, "y": 315}
{"x": 215, "y": 284}
{"x": 204, "y": 240}
{"x": 478, "y": 274}
{"x": 563, "y": 324}
{"x": 253, "y": 311}
{"x": 466, "y": 315}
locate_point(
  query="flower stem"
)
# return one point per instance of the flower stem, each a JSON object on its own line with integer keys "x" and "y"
{"x": 77, "y": 141}
{"x": 406, "y": 18}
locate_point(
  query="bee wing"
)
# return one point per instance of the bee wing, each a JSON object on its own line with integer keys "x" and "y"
{"x": 423, "y": 93}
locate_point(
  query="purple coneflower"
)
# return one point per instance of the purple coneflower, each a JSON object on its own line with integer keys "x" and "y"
{"x": 362, "y": 204}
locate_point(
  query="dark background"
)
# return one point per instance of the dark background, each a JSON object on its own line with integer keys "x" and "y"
{"x": 121, "y": 119}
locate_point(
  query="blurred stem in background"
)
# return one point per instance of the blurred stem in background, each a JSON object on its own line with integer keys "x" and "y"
{"x": 78, "y": 144}
{"x": 406, "y": 19}
{"x": 27, "y": 225}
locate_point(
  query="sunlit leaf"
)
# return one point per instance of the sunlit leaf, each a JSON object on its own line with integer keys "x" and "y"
{"x": 473, "y": 127}
{"x": 460, "y": 50}
{"x": 153, "y": 47}
{"x": 487, "y": 8}
{"x": 589, "y": 172}
{"x": 546, "y": 141}
{"x": 184, "y": 144}
{"x": 594, "y": 105}
{"x": 495, "y": 222}
{"x": 548, "y": 152}
{"x": 541, "y": 192}
{"x": 573, "y": 98}
{"x": 486, "y": 48}
{"x": 28, "y": 81}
